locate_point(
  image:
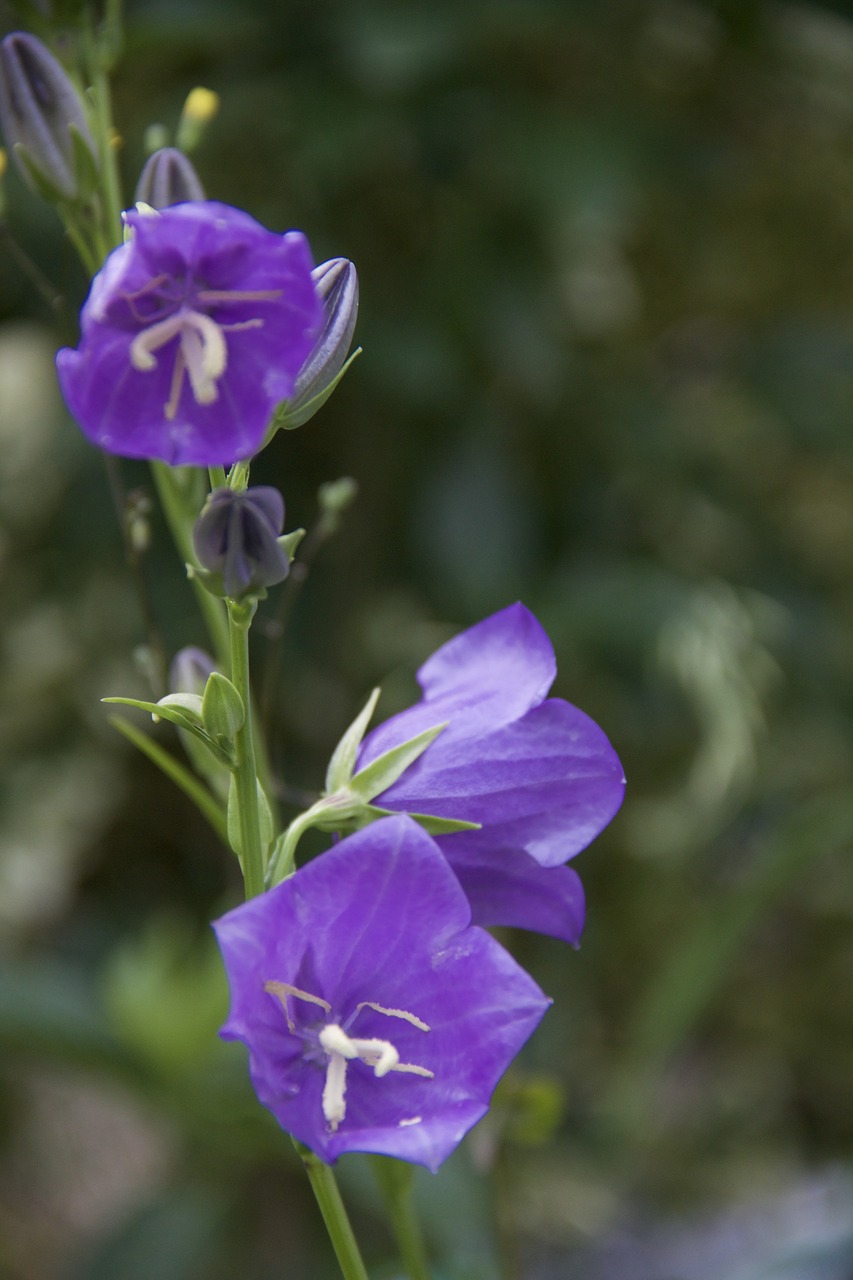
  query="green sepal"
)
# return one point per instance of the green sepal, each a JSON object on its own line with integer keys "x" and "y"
{"x": 289, "y": 542}
{"x": 307, "y": 410}
{"x": 86, "y": 169}
{"x": 431, "y": 822}
{"x": 44, "y": 187}
{"x": 384, "y": 771}
{"x": 173, "y": 709}
{"x": 343, "y": 758}
{"x": 222, "y": 709}
{"x": 265, "y": 822}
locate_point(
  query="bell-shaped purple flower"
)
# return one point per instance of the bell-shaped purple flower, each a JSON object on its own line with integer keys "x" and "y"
{"x": 536, "y": 773}
{"x": 193, "y": 331}
{"x": 236, "y": 540}
{"x": 377, "y": 1018}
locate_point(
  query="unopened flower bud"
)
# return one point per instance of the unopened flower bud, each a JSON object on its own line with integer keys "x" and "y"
{"x": 43, "y": 120}
{"x": 236, "y": 540}
{"x": 168, "y": 178}
{"x": 189, "y": 671}
{"x": 336, "y": 282}
{"x": 200, "y": 108}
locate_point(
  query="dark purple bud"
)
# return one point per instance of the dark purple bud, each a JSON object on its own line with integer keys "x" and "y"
{"x": 236, "y": 540}
{"x": 189, "y": 671}
{"x": 43, "y": 120}
{"x": 168, "y": 178}
{"x": 336, "y": 282}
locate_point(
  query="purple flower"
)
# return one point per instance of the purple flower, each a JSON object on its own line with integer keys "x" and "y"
{"x": 377, "y": 1018}
{"x": 538, "y": 775}
{"x": 193, "y": 332}
{"x": 236, "y": 540}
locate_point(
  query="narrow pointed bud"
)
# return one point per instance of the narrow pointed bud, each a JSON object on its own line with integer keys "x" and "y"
{"x": 199, "y": 110}
{"x": 236, "y": 541}
{"x": 43, "y": 120}
{"x": 336, "y": 282}
{"x": 168, "y": 178}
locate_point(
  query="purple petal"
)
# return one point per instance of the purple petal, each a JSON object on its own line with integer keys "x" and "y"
{"x": 485, "y": 677}
{"x": 508, "y": 887}
{"x": 547, "y": 783}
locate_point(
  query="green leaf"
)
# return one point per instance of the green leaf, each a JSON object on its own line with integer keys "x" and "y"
{"x": 182, "y": 778}
{"x": 289, "y": 543}
{"x": 222, "y": 709}
{"x": 175, "y": 710}
{"x": 383, "y": 772}
{"x": 342, "y": 762}
{"x": 265, "y": 820}
{"x": 431, "y": 822}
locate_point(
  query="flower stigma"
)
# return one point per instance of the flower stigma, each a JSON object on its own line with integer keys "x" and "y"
{"x": 339, "y": 1048}
{"x": 202, "y": 352}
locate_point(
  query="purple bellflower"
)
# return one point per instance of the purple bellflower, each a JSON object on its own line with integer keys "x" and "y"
{"x": 193, "y": 332}
{"x": 376, "y": 1016}
{"x": 536, "y": 772}
{"x": 236, "y": 540}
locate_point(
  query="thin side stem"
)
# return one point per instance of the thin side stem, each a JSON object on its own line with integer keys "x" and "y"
{"x": 103, "y": 126}
{"x": 331, "y": 1205}
{"x": 395, "y": 1182}
{"x": 173, "y": 769}
{"x": 245, "y": 774}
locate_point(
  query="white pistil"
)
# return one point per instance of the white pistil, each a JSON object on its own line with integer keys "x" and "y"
{"x": 340, "y": 1048}
{"x": 381, "y": 1055}
{"x": 202, "y": 354}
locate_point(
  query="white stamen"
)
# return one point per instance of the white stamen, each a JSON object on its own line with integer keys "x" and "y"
{"x": 208, "y": 296}
{"x": 403, "y": 1124}
{"x": 340, "y": 1048}
{"x": 284, "y": 989}
{"x": 393, "y": 1013}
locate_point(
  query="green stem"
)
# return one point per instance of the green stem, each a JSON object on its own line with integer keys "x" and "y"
{"x": 246, "y": 774}
{"x": 110, "y": 186}
{"x": 395, "y": 1182}
{"x": 334, "y": 1215}
{"x": 180, "y": 517}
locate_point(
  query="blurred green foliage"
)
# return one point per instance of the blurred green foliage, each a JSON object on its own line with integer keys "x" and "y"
{"x": 607, "y": 310}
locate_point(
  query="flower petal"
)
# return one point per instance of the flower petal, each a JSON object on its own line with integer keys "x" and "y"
{"x": 505, "y": 886}
{"x": 483, "y": 678}
{"x": 547, "y": 783}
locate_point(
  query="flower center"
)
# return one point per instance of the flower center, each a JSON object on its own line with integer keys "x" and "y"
{"x": 202, "y": 352}
{"x": 341, "y": 1048}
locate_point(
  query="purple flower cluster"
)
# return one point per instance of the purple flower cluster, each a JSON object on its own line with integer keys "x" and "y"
{"x": 378, "y": 1013}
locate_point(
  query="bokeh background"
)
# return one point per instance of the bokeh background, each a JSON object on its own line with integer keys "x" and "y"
{"x": 606, "y": 263}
